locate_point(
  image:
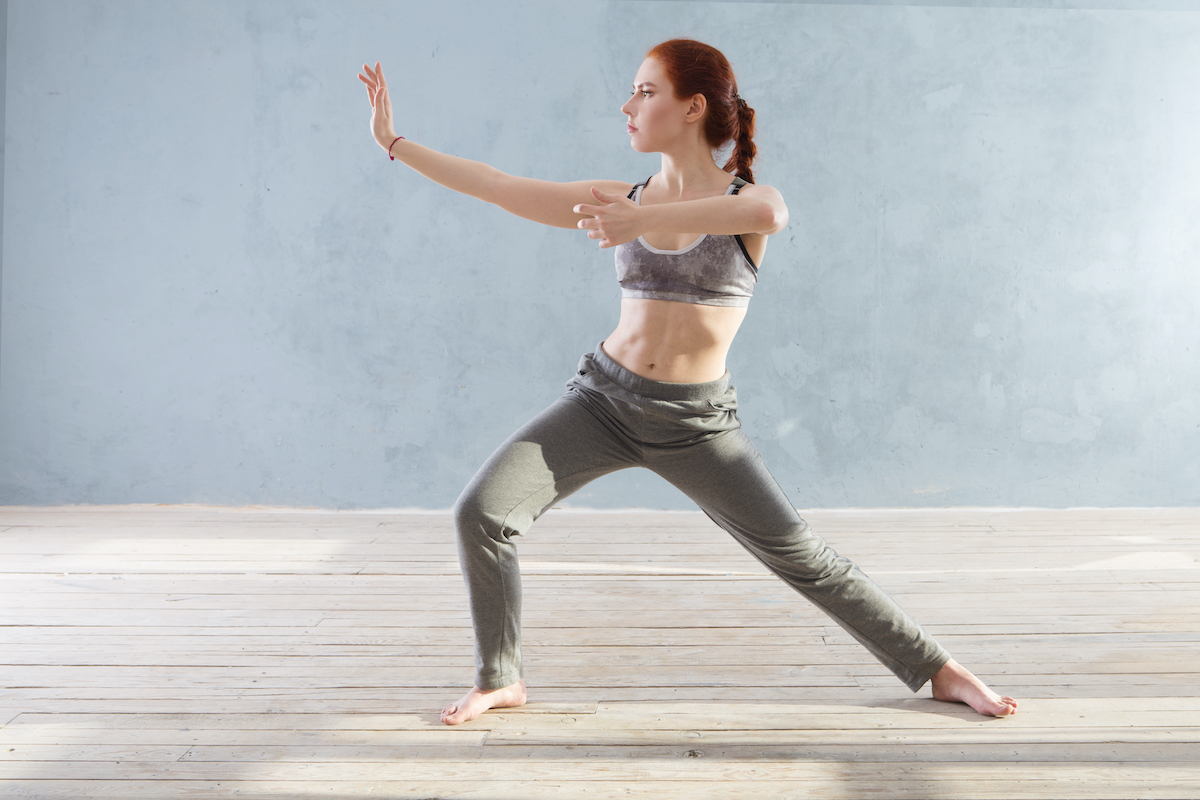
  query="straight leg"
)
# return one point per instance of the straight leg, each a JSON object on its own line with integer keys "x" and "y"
{"x": 726, "y": 477}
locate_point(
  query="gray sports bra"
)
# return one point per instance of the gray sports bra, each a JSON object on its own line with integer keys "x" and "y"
{"x": 714, "y": 270}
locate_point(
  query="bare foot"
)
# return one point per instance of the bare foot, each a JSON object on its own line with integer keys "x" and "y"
{"x": 477, "y": 701}
{"x": 954, "y": 683}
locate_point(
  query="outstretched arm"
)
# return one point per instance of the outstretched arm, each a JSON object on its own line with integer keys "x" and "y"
{"x": 547, "y": 202}
{"x": 617, "y": 219}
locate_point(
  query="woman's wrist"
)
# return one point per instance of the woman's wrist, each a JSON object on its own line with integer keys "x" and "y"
{"x": 390, "y": 146}
{"x": 648, "y": 219}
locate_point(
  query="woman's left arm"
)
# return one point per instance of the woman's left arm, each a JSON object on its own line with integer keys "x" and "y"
{"x": 617, "y": 219}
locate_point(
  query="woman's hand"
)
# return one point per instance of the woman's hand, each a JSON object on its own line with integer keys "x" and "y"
{"x": 381, "y": 105}
{"x": 615, "y": 222}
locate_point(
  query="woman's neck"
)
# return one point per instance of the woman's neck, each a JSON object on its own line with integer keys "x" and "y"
{"x": 690, "y": 172}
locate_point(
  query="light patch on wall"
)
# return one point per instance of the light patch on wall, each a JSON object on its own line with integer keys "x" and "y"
{"x": 1181, "y": 415}
{"x": 1097, "y": 277}
{"x": 797, "y": 441}
{"x": 943, "y": 98}
{"x": 922, "y": 26}
{"x": 793, "y": 363}
{"x": 1044, "y": 425}
{"x": 906, "y": 223}
{"x": 1118, "y": 384}
{"x": 992, "y": 393}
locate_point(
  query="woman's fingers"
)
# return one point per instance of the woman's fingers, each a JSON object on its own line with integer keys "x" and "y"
{"x": 371, "y": 85}
{"x": 387, "y": 102}
{"x": 373, "y": 77}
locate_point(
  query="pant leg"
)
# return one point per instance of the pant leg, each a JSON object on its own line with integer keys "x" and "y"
{"x": 568, "y": 445}
{"x": 726, "y": 477}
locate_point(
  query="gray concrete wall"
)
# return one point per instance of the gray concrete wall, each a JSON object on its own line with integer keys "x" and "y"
{"x": 217, "y": 289}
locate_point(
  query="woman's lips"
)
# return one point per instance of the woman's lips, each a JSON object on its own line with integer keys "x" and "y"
{"x": 629, "y": 128}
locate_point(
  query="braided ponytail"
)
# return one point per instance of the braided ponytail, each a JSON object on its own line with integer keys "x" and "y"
{"x": 744, "y": 149}
{"x": 697, "y": 68}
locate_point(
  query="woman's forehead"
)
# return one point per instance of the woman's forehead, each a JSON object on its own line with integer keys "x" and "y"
{"x": 650, "y": 72}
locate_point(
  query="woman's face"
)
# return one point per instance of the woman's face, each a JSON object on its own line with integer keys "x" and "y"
{"x": 654, "y": 115}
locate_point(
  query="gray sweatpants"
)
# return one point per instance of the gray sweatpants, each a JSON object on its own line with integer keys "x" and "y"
{"x": 688, "y": 433}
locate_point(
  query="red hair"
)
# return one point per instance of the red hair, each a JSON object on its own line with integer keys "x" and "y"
{"x": 697, "y": 68}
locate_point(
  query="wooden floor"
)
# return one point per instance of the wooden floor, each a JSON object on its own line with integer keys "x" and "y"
{"x": 165, "y": 652}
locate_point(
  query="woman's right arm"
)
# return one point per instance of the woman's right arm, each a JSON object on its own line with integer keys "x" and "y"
{"x": 547, "y": 202}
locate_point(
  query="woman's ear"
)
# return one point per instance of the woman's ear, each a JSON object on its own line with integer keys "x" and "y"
{"x": 697, "y": 108}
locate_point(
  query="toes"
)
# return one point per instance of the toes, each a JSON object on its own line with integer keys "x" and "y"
{"x": 1007, "y": 706}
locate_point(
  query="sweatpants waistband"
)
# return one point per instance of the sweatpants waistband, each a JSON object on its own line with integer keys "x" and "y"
{"x": 658, "y": 390}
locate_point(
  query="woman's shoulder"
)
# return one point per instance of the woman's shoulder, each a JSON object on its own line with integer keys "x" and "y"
{"x": 757, "y": 189}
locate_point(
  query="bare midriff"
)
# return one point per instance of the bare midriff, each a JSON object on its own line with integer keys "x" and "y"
{"x": 673, "y": 342}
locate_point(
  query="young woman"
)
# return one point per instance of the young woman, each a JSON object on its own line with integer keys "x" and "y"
{"x": 656, "y": 393}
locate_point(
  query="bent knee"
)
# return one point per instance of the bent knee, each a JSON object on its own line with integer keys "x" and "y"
{"x": 470, "y": 511}
{"x": 475, "y": 516}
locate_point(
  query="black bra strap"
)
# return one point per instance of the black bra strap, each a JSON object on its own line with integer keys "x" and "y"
{"x": 746, "y": 253}
{"x": 738, "y": 183}
{"x": 633, "y": 191}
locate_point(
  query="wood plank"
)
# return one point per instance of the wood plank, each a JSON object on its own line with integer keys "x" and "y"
{"x": 616, "y": 788}
{"x": 1099, "y": 744}
{"x": 1178, "y": 774}
{"x": 320, "y": 639}
{"x": 18, "y": 659}
{"x": 1074, "y": 600}
{"x": 713, "y": 747}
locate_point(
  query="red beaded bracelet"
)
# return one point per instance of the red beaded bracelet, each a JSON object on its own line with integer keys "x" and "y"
{"x": 390, "y": 146}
